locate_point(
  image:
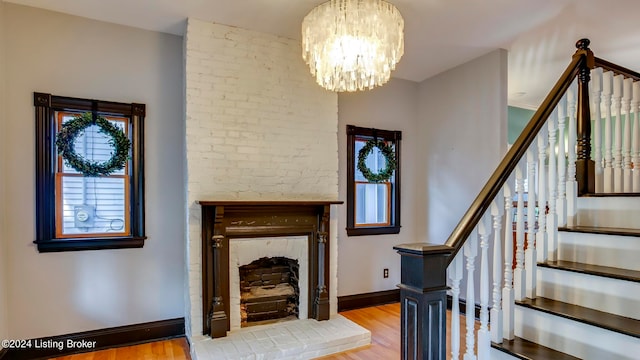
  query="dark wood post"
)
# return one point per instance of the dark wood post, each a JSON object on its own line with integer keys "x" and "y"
{"x": 321, "y": 301}
{"x": 423, "y": 300}
{"x": 585, "y": 166}
{"x": 215, "y": 247}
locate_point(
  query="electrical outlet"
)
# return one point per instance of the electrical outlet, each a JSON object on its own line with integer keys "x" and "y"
{"x": 385, "y": 273}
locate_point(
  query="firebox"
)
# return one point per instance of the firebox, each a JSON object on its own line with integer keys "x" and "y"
{"x": 269, "y": 290}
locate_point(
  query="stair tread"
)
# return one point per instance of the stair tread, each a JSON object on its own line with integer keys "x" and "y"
{"x": 601, "y": 230}
{"x": 631, "y": 194}
{"x": 605, "y": 271}
{"x": 617, "y": 323}
{"x": 525, "y": 349}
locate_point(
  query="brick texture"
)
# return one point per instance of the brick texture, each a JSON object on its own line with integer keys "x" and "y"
{"x": 258, "y": 127}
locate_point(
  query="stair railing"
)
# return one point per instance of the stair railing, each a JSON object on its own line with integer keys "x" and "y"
{"x": 547, "y": 167}
{"x": 615, "y": 93}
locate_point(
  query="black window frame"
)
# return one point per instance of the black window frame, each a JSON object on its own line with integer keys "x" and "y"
{"x": 46, "y": 105}
{"x": 353, "y": 132}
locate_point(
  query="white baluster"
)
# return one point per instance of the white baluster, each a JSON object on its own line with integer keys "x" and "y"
{"x": 543, "y": 183}
{"x": 636, "y": 137}
{"x": 617, "y": 138}
{"x": 552, "y": 224}
{"x": 531, "y": 261}
{"x": 520, "y": 276}
{"x": 484, "y": 337}
{"x": 572, "y": 184}
{"x": 596, "y": 93}
{"x": 626, "y": 143}
{"x": 561, "y": 199}
{"x": 607, "y": 86}
{"x": 508, "y": 304}
{"x": 455, "y": 274}
{"x": 496, "y": 308}
{"x": 470, "y": 253}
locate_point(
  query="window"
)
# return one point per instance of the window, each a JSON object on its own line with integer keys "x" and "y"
{"x": 79, "y": 212}
{"x": 372, "y": 207}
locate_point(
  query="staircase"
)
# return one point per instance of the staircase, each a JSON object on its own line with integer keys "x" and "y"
{"x": 587, "y": 304}
{"x": 564, "y": 281}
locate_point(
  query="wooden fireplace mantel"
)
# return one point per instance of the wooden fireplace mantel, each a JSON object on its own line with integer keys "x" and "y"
{"x": 268, "y": 202}
{"x": 227, "y": 219}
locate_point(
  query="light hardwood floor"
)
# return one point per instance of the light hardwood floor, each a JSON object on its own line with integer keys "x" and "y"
{"x": 383, "y": 322}
{"x": 174, "y": 349}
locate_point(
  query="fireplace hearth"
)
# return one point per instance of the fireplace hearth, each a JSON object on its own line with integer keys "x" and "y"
{"x": 226, "y": 222}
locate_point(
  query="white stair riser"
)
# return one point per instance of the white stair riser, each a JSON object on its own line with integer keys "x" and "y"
{"x": 575, "y": 338}
{"x": 597, "y": 249}
{"x": 614, "y": 296}
{"x": 622, "y": 212}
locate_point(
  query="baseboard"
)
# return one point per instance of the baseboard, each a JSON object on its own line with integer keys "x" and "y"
{"x": 54, "y": 346}
{"x": 358, "y": 301}
{"x": 463, "y": 307}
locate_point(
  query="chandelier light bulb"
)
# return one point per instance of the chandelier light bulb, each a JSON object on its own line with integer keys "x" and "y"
{"x": 352, "y": 45}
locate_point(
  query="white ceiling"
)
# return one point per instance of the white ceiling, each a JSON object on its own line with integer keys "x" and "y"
{"x": 439, "y": 34}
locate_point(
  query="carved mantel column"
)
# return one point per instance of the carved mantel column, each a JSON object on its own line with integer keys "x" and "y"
{"x": 321, "y": 302}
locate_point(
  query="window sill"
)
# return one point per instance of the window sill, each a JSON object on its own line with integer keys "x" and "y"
{"x": 58, "y": 245}
{"x": 360, "y": 231}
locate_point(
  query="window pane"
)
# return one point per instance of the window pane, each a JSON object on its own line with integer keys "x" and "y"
{"x": 375, "y": 161}
{"x": 359, "y": 146}
{"x": 93, "y": 205}
{"x": 93, "y": 145}
{"x": 371, "y": 204}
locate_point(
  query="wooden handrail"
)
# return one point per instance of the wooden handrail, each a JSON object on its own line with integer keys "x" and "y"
{"x": 581, "y": 59}
{"x": 617, "y": 69}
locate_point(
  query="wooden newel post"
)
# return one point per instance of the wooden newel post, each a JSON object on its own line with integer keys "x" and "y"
{"x": 423, "y": 299}
{"x": 585, "y": 167}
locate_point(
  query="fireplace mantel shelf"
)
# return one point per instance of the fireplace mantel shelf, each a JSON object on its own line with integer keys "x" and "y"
{"x": 224, "y": 220}
{"x": 267, "y": 202}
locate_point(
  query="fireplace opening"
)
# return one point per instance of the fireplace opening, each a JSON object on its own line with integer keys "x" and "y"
{"x": 269, "y": 291}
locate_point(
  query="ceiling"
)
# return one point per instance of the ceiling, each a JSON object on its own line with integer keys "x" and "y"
{"x": 439, "y": 34}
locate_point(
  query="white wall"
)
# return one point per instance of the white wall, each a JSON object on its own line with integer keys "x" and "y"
{"x": 60, "y": 293}
{"x": 257, "y": 128}
{"x": 4, "y": 328}
{"x": 463, "y": 132}
{"x": 361, "y": 259}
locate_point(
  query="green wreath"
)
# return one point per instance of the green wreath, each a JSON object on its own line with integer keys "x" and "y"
{"x": 71, "y": 129}
{"x": 389, "y": 156}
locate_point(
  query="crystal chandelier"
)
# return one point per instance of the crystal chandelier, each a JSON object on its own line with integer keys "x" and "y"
{"x": 352, "y": 45}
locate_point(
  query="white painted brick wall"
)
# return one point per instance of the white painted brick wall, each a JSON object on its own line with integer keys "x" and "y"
{"x": 258, "y": 127}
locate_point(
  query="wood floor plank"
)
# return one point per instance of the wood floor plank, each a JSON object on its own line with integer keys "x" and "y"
{"x": 383, "y": 322}
{"x": 173, "y": 349}
{"x": 109, "y": 354}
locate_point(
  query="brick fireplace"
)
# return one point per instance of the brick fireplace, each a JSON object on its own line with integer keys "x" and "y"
{"x": 236, "y": 233}
{"x": 257, "y": 127}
